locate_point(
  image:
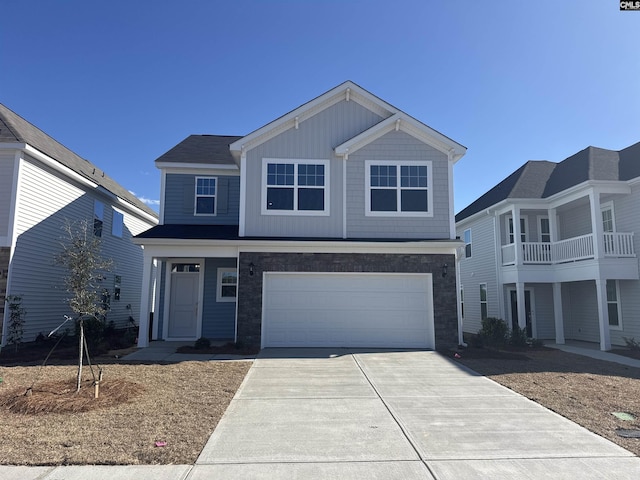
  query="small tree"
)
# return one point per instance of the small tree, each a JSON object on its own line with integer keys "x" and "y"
{"x": 81, "y": 257}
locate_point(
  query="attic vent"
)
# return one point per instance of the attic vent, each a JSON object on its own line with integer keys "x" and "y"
{"x": 348, "y": 93}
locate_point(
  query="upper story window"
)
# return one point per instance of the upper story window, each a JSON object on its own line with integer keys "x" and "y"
{"x": 544, "y": 230}
{"x": 395, "y": 188}
{"x": 98, "y": 218}
{"x": 467, "y": 243}
{"x": 117, "y": 224}
{"x": 608, "y": 223}
{"x": 295, "y": 187}
{"x": 205, "y": 195}
{"x": 523, "y": 229}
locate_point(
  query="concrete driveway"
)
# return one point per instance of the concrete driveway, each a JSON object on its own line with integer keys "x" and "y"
{"x": 322, "y": 413}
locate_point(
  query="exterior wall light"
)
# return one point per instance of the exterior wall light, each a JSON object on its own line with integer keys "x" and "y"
{"x": 445, "y": 267}
{"x": 251, "y": 269}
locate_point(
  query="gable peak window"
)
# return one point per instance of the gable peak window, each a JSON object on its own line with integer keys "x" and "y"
{"x": 397, "y": 188}
{"x": 205, "y": 201}
{"x": 295, "y": 187}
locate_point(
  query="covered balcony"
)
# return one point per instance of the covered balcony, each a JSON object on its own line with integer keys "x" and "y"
{"x": 614, "y": 245}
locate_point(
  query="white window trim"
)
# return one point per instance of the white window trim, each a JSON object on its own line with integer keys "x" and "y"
{"x": 523, "y": 218}
{"x": 398, "y": 188}
{"x": 114, "y": 223}
{"x": 486, "y": 302}
{"x": 603, "y": 208}
{"x": 618, "y": 306}
{"x": 470, "y": 243}
{"x": 295, "y": 211}
{"x": 221, "y": 272}
{"x": 195, "y": 198}
{"x": 540, "y": 218}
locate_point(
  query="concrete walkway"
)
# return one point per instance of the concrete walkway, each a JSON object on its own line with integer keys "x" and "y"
{"x": 377, "y": 415}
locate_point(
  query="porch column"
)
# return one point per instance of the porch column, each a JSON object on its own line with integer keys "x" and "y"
{"x": 557, "y": 312}
{"x": 145, "y": 300}
{"x": 603, "y": 314}
{"x": 596, "y": 225}
{"x": 515, "y": 215}
{"x": 522, "y": 311}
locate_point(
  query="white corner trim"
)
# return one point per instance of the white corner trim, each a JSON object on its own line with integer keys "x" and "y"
{"x": 243, "y": 194}
{"x": 163, "y": 187}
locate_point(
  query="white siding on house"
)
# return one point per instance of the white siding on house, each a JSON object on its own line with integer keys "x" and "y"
{"x": 575, "y": 222}
{"x": 580, "y": 311}
{"x": 7, "y": 164}
{"x": 46, "y": 202}
{"x": 543, "y": 310}
{"x": 480, "y": 268}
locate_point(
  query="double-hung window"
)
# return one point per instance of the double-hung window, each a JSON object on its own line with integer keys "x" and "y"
{"x": 484, "y": 307}
{"x": 295, "y": 187}
{"x": 613, "y": 304}
{"x": 98, "y": 218}
{"x": 467, "y": 243}
{"x": 227, "y": 285}
{"x": 205, "y": 201}
{"x": 523, "y": 229}
{"x": 396, "y": 188}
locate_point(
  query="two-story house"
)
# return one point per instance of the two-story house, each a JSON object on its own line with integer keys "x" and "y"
{"x": 552, "y": 248}
{"x": 333, "y": 225}
{"x": 43, "y": 185}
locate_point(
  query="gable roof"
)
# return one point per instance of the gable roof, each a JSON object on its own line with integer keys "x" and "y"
{"x": 351, "y": 92}
{"x": 15, "y": 129}
{"x": 201, "y": 149}
{"x": 542, "y": 179}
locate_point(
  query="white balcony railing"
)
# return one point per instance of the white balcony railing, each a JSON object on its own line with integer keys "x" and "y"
{"x": 569, "y": 250}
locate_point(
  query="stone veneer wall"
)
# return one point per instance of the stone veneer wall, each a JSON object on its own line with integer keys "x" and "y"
{"x": 4, "y": 270}
{"x": 250, "y": 286}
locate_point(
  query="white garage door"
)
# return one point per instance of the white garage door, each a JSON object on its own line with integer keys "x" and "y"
{"x": 347, "y": 310}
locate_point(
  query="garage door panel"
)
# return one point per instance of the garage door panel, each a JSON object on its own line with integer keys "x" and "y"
{"x": 351, "y": 310}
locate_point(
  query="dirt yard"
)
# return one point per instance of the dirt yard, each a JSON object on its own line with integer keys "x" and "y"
{"x": 177, "y": 405}
{"x": 583, "y": 389}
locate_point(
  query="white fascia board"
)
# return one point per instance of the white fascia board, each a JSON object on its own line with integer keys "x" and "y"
{"x": 54, "y": 164}
{"x": 169, "y": 247}
{"x": 409, "y": 125}
{"x": 187, "y": 167}
{"x": 311, "y": 108}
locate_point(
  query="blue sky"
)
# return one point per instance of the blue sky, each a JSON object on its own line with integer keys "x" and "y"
{"x": 123, "y": 81}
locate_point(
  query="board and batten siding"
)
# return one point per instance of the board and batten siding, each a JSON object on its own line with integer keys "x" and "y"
{"x": 179, "y": 205}
{"x": 7, "y": 166}
{"x": 479, "y": 268}
{"x": 46, "y": 201}
{"x": 398, "y": 146}
{"x": 315, "y": 138}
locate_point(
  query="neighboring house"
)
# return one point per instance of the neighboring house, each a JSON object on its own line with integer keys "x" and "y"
{"x": 552, "y": 248}
{"x": 330, "y": 226}
{"x": 42, "y": 185}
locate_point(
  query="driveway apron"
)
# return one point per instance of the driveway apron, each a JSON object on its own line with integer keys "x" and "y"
{"x": 332, "y": 413}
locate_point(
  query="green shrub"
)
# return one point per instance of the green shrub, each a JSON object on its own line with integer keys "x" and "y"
{"x": 494, "y": 332}
{"x": 518, "y": 337}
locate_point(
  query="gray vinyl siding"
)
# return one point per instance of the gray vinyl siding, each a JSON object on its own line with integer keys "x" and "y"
{"x": 479, "y": 268}
{"x": 218, "y": 318}
{"x": 180, "y": 200}
{"x": 7, "y": 165}
{"x": 580, "y": 311}
{"x": 575, "y": 222}
{"x": 403, "y": 147}
{"x": 46, "y": 202}
{"x": 315, "y": 138}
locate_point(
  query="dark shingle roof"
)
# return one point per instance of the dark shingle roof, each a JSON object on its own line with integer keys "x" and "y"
{"x": 14, "y": 128}
{"x": 206, "y": 149}
{"x": 542, "y": 179}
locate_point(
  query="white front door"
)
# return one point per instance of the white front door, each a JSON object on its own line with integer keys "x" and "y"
{"x": 183, "y": 311}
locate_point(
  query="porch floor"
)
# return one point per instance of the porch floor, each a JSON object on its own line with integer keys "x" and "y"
{"x": 592, "y": 349}
{"x": 161, "y": 351}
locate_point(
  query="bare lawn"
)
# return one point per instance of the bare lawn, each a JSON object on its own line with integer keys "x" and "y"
{"x": 177, "y": 405}
{"x": 582, "y": 389}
